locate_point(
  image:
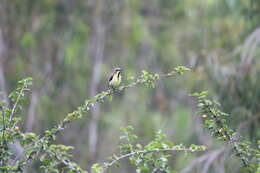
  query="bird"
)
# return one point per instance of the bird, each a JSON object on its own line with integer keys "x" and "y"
{"x": 115, "y": 78}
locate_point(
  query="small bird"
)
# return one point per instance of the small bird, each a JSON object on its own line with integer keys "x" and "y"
{"x": 115, "y": 78}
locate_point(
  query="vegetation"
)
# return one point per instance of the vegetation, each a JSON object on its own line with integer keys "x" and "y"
{"x": 69, "y": 48}
{"x": 54, "y": 158}
{"x": 151, "y": 157}
{"x": 215, "y": 121}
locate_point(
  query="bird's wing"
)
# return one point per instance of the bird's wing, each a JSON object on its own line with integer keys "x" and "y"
{"x": 111, "y": 77}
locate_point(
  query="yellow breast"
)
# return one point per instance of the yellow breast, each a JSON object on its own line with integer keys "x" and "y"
{"x": 116, "y": 80}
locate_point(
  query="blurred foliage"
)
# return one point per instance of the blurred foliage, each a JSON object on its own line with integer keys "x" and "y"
{"x": 52, "y": 41}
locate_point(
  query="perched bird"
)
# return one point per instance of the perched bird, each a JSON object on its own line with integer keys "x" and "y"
{"x": 115, "y": 78}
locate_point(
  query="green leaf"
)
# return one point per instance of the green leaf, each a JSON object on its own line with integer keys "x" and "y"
{"x": 96, "y": 168}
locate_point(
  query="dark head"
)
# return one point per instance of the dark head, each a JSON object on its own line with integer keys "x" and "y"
{"x": 118, "y": 69}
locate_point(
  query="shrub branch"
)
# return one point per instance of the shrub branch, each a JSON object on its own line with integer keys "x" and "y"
{"x": 113, "y": 162}
{"x": 42, "y": 142}
{"x": 215, "y": 122}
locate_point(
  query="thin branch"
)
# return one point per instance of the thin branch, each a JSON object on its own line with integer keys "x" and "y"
{"x": 15, "y": 104}
{"x": 215, "y": 122}
{"x": 108, "y": 165}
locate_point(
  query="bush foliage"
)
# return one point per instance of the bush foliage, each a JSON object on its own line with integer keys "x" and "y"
{"x": 151, "y": 157}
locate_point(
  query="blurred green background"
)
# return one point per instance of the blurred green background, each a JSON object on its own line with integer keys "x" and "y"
{"x": 70, "y": 47}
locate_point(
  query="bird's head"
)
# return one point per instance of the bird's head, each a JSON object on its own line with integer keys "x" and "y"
{"x": 118, "y": 69}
